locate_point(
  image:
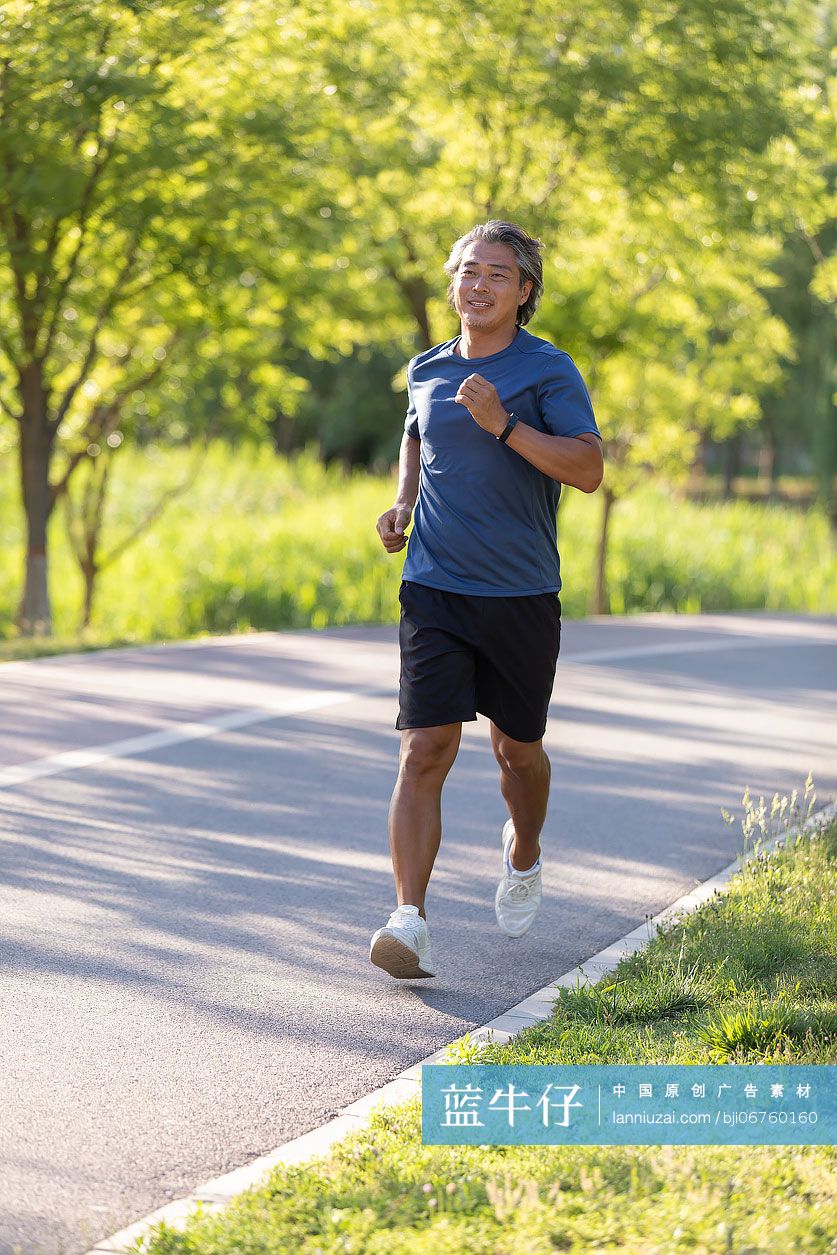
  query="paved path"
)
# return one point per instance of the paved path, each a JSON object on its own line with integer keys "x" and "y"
{"x": 185, "y": 905}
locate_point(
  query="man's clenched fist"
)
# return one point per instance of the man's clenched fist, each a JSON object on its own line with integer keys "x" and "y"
{"x": 480, "y": 397}
{"x": 391, "y": 527}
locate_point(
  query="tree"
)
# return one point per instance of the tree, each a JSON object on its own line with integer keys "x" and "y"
{"x": 527, "y": 113}
{"x": 88, "y": 135}
{"x": 127, "y": 177}
{"x": 85, "y": 516}
{"x": 667, "y": 321}
{"x": 509, "y": 111}
{"x": 798, "y": 412}
{"x": 198, "y": 200}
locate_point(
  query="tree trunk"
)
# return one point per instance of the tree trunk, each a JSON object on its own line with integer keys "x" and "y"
{"x": 765, "y": 467}
{"x": 824, "y": 444}
{"x": 89, "y": 571}
{"x": 85, "y": 538}
{"x": 418, "y": 305}
{"x": 600, "y": 602}
{"x": 36, "y": 439}
{"x": 775, "y": 439}
{"x": 699, "y": 464}
{"x": 415, "y": 294}
{"x": 415, "y": 291}
{"x": 732, "y": 464}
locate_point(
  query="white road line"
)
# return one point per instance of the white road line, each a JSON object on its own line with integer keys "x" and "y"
{"x": 696, "y": 647}
{"x": 75, "y": 760}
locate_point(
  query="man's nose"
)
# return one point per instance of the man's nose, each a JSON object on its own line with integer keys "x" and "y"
{"x": 481, "y": 283}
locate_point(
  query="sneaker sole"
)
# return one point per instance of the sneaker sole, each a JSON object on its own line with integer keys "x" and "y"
{"x": 392, "y": 956}
{"x": 504, "y": 930}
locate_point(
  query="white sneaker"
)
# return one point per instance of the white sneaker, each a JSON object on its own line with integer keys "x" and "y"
{"x": 518, "y": 897}
{"x": 402, "y": 946}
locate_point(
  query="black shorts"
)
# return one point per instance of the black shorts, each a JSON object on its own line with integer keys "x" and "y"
{"x": 462, "y": 654}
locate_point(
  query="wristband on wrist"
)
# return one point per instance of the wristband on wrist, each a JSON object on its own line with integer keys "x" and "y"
{"x": 508, "y": 429}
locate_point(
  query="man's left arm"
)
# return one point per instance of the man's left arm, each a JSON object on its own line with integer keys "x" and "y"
{"x": 575, "y": 460}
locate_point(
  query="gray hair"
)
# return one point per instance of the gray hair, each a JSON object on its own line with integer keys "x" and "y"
{"x": 527, "y": 252}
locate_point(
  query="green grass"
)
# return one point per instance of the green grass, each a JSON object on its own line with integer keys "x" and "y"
{"x": 260, "y": 542}
{"x": 751, "y": 977}
{"x": 377, "y": 1198}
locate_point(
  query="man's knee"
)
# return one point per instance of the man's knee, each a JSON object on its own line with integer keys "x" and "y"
{"x": 429, "y": 751}
{"x": 520, "y": 759}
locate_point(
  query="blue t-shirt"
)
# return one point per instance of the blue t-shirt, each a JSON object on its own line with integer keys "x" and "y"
{"x": 484, "y": 521}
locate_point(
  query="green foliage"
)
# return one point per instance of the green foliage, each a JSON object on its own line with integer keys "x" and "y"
{"x": 110, "y": 213}
{"x": 259, "y": 541}
{"x": 465, "y": 1049}
{"x": 667, "y": 993}
{"x": 197, "y": 201}
{"x": 764, "y": 1030}
{"x": 351, "y": 407}
{"x": 378, "y": 1196}
{"x": 664, "y": 314}
{"x": 335, "y": 150}
{"x": 671, "y": 554}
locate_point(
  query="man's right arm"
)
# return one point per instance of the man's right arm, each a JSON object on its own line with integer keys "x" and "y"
{"x": 394, "y": 522}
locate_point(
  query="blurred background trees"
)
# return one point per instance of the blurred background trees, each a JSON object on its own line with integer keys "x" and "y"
{"x": 230, "y": 219}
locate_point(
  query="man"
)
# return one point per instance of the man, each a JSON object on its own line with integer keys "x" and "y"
{"x": 498, "y": 419}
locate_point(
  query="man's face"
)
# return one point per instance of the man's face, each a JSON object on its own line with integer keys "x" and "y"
{"x": 486, "y": 287}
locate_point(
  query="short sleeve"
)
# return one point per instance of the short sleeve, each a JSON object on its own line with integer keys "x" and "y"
{"x": 411, "y": 426}
{"x": 563, "y": 400}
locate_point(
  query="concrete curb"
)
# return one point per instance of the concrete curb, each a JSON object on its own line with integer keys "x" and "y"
{"x": 218, "y": 1193}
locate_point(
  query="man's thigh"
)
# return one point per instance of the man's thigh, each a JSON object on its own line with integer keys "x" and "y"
{"x": 438, "y": 658}
{"x": 519, "y": 649}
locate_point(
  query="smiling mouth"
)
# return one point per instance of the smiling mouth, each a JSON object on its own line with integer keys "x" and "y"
{"x": 480, "y": 304}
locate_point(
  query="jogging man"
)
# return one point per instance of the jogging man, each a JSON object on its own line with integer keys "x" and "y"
{"x": 498, "y": 420}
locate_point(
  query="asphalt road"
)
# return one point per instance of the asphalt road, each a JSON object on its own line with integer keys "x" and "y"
{"x": 193, "y": 856}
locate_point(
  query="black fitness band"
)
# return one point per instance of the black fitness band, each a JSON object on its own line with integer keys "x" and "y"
{"x": 508, "y": 429}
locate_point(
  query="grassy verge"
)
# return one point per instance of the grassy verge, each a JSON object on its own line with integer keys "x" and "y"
{"x": 262, "y": 543}
{"x": 750, "y": 977}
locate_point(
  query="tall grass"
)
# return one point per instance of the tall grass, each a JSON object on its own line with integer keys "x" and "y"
{"x": 265, "y": 542}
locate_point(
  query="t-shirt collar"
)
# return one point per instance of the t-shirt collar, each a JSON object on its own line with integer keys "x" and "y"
{"x": 491, "y": 356}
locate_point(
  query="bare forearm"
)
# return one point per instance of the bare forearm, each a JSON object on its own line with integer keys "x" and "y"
{"x": 409, "y": 463}
{"x": 393, "y": 523}
{"x": 567, "y": 459}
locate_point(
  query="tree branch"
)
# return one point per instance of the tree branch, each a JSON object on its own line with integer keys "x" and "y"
{"x": 105, "y": 419}
{"x": 156, "y": 510}
{"x": 555, "y": 178}
{"x": 15, "y": 230}
{"x": 654, "y": 280}
{"x": 101, "y": 318}
{"x": 143, "y": 285}
{"x": 84, "y": 208}
{"x": 103, "y": 156}
{"x": 9, "y": 224}
{"x": 813, "y": 244}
